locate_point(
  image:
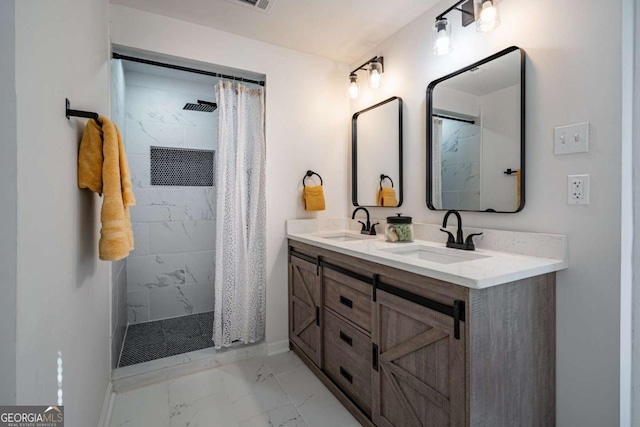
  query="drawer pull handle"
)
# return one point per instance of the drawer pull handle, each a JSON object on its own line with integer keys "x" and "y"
{"x": 346, "y": 338}
{"x": 346, "y": 301}
{"x": 374, "y": 356}
{"x": 347, "y": 376}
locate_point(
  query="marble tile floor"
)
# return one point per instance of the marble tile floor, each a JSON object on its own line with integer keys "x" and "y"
{"x": 265, "y": 391}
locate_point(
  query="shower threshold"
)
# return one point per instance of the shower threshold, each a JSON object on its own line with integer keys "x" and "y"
{"x": 158, "y": 339}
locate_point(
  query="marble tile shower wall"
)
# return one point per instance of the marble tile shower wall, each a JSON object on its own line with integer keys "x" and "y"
{"x": 171, "y": 271}
{"x": 461, "y": 153}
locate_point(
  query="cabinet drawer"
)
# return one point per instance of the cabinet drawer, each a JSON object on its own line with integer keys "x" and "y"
{"x": 352, "y": 374}
{"x": 348, "y": 297}
{"x": 346, "y": 338}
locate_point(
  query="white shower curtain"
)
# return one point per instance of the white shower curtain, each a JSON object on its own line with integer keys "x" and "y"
{"x": 240, "y": 270}
{"x": 436, "y": 164}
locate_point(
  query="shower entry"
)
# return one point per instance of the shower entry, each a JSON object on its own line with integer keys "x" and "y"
{"x": 190, "y": 180}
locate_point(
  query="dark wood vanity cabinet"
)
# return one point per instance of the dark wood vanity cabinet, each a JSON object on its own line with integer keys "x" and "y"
{"x": 420, "y": 377}
{"x": 304, "y": 308}
{"x": 399, "y": 349}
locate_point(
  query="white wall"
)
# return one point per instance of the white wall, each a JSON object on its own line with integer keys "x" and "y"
{"x": 630, "y": 313}
{"x": 63, "y": 289}
{"x": 8, "y": 195}
{"x": 500, "y": 148}
{"x": 307, "y": 124}
{"x": 456, "y": 101}
{"x": 566, "y": 83}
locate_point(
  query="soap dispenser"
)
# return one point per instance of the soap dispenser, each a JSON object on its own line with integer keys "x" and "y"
{"x": 398, "y": 229}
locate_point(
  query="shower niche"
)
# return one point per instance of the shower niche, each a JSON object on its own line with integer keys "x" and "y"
{"x": 182, "y": 167}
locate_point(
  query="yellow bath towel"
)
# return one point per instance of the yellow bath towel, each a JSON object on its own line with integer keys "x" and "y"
{"x": 313, "y": 198}
{"x": 103, "y": 168}
{"x": 387, "y": 197}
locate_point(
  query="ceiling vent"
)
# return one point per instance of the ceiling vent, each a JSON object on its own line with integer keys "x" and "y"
{"x": 261, "y": 5}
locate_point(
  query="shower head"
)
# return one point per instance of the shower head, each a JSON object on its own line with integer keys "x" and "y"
{"x": 204, "y": 106}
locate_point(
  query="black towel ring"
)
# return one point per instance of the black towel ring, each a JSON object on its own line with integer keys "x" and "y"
{"x": 383, "y": 177}
{"x": 310, "y": 173}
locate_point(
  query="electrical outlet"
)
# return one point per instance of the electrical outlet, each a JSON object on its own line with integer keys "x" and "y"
{"x": 578, "y": 189}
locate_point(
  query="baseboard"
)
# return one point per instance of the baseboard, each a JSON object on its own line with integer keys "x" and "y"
{"x": 107, "y": 406}
{"x": 277, "y": 347}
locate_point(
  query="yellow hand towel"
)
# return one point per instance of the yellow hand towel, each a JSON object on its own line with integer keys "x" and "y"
{"x": 313, "y": 198}
{"x": 103, "y": 168}
{"x": 90, "y": 158}
{"x": 387, "y": 197}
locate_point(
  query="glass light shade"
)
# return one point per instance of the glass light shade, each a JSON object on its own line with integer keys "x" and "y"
{"x": 353, "y": 86}
{"x": 442, "y": 37}
{"x": 375, "y": 74}
{"x": 487, "y": 14}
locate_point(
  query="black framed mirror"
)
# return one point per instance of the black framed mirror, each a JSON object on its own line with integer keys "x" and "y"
{"x": 476, "y": 136}
{"x": 376, "y": 155}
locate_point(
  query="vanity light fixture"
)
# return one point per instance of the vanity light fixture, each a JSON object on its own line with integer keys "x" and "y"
{"x": 375, "y": 69}
{"x": 353, "y": 86}
{"x": 375, "y": 73}
{"x": 442, "y": 37}
{"x": 485, "y": 13}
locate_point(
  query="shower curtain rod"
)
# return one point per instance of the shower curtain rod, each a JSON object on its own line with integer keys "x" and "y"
{"x": 457, "y": 119}
{"x": 187, "y": 69}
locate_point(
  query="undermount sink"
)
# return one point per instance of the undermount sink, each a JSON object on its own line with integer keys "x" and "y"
{"x": 345, "y": 236}
{"x": 439, "y": 255}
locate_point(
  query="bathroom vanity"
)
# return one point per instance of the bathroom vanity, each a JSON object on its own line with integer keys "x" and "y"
{"x": 416, "y": 334}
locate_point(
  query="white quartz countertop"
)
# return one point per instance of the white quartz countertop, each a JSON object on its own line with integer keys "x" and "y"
{"x": 493, "y": 268}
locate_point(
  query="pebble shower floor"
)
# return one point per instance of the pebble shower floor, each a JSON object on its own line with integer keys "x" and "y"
{"x": 163, "y": 338}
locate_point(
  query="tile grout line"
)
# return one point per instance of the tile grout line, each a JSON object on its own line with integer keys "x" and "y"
{"x": 265, "y": 362}
{"x": 287, "y": 394}
{"x": 126, "y": 329}
{"x": 324, "y": 388}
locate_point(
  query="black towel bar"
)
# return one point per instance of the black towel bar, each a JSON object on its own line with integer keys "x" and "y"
{"x": 78, "y": 113}
{"x": 309, "y": 174}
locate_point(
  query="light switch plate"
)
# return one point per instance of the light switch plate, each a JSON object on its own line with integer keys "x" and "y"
{"x": 571, "y": 139}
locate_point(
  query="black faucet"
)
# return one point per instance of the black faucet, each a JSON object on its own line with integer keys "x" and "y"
{"x": 459, "y": 242}
{"x": 367, "y": 228}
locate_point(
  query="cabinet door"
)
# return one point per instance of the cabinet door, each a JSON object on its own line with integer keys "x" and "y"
{"x": 420, "y": 377}
{"x": 304, "y": 308}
